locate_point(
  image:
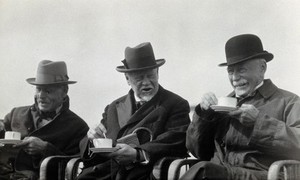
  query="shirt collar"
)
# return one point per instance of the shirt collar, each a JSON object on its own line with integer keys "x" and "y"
{"x": 253, "y": 93}
{"x": 139, "y": 100}
{"x": 267, "y": 89}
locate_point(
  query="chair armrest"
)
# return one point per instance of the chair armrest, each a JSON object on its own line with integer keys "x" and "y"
{"x": 160, "y": 169}
{"x": 176, "y": 165}
{"x": 72, "y": 168}
{"x": 289, "y": 168}
{"x": 53, "y": 167}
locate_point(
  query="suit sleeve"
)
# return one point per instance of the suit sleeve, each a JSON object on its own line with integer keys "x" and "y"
{"x": 275, "y": 136}
{"x": 171, "y": 142}
{"x": 206, "y": 127}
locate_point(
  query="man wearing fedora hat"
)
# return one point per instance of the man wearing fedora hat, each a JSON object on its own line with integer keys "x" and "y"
{"x": 48, "y": 127}
{"x": 244, "y": 142}
{"x": 146, "y": 105}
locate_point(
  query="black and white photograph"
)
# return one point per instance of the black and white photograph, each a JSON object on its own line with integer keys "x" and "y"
{"x": 140, "y": 89}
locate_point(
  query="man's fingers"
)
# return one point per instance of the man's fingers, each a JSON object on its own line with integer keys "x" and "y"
{"x": 92, "y": 134}
{"x": 22, "y": 144}
{"x": 101, "y": 128}
{"x": 207, "y": 100}
{"x": 235, "y": 112}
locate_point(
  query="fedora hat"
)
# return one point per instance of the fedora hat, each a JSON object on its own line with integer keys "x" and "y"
{"x": 51, "y": 73}
{"x": 244, "y": 47}
{"x": 139, "y": 58}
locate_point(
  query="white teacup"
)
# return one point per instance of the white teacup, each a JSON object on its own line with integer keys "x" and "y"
{"x": 12, "y": 135}
{"x": 227, "y": 101}
{"x": 102, "y": 143}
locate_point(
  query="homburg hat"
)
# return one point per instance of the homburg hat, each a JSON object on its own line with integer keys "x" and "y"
{"x": 139, "y": 58}
{"x": 244, "y": 47}
{"x": 51, "y": 73}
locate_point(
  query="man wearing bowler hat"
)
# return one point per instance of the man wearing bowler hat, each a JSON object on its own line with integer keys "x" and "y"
{"x": 48, "y": 127}
{"x": 265, "y": 126}
{"x": 147, "y": 105}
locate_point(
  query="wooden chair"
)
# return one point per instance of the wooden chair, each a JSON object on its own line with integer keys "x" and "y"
{"x": 68, "y": 168}
{"x": 160, "y": 169}
{"x": 284, "y": 169}
{"x": 53, "y": 167}
{"x": 179, "y": 166}
{"x": 73, "y": 168}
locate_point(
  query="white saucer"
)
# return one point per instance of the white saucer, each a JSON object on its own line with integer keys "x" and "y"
{"x": 223, "y": 108}
{"x": 103, "y": 150}
{"x": 10, "y": 141}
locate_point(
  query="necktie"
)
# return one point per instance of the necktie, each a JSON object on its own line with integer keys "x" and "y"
{"x": 47, "y": 115}
{"x": 139, "y": 104}
{"x": 45, "y": 118}
{"x": 242, "y": 99}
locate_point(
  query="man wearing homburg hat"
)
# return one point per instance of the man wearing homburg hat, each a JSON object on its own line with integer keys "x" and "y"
{"x": 146, "y": 105}
{"x": 265, "y": 127}
{"x": 48, "y": 127}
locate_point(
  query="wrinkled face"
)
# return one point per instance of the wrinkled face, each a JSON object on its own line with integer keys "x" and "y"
{"x": 143, "y": 83}
{"x": 49, "y": 98}
{"x": 245, "y": 76}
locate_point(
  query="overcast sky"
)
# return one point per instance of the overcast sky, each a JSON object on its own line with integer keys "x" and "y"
{"x": 91, "y": 36}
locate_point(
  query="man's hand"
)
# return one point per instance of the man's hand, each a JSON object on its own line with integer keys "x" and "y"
{"x": 96, "y": 132}
{"x": 32, "y": 145}
{"x": 207, "y": 100}
{"x": 247, "y": 114}
{"x": 124, "y": 154}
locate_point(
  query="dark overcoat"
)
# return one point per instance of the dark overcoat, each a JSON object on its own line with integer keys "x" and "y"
{"x": 166, "y": 115}
{"x": 247, "y": 151}
{"x": 63, "y": 133}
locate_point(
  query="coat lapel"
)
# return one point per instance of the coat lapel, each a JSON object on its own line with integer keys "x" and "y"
{"x": 124, "y": 110}
{"x": 126, "y": 116}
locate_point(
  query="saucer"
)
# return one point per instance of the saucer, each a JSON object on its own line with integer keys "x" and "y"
{"x": 10, "y": 141}
{"x": 103, "y": 150}
{"x": 223, "y": 108}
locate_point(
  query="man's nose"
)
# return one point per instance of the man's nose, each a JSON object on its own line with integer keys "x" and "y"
{"x": 145, "y": 80}
{"x": 235, "y": 76}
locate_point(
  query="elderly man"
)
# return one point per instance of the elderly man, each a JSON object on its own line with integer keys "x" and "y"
{"x": 48, "y": 127}
{"x": 161, "y": 112}
{"x": 265, "y": 127}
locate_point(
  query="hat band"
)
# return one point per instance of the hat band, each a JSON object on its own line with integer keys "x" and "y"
{"x": 140, "y": 63}
{"x": 48, "y": 79}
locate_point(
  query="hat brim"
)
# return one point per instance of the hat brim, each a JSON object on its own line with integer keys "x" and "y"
{"x": 159, "y": 62}
{"x": 266, "y": 55}
{"x": 33, "y": 82}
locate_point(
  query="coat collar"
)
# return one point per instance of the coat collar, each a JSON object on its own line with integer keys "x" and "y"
{"x": 37, "y": 114}
{"x": 126, "y": 108}
{"x": 266, "y": 90}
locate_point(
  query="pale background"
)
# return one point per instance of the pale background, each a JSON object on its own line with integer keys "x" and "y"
{"x": 91, "y": 37}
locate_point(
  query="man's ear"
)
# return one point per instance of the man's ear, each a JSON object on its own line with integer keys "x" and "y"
{"x": 264, "y": 66}
{"x": 66, "y": 90}
{"x": 127, "y": 79}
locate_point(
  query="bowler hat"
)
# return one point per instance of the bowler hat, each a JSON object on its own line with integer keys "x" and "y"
{"x": 139, "y": 58}
{"x": 244, "y": 47}
{"x": 51, "y": 73}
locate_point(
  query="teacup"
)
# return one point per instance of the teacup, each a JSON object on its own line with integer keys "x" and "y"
{"x": 227, "y": 101}
{"x": 12, "y": 135}
{"x": 102, "y": 143}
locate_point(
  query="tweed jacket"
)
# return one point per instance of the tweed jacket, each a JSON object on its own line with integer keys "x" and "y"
{"x": 166, "y": 115}
{"x": 274, "y": 136}
{"x": 63, "y": 133}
